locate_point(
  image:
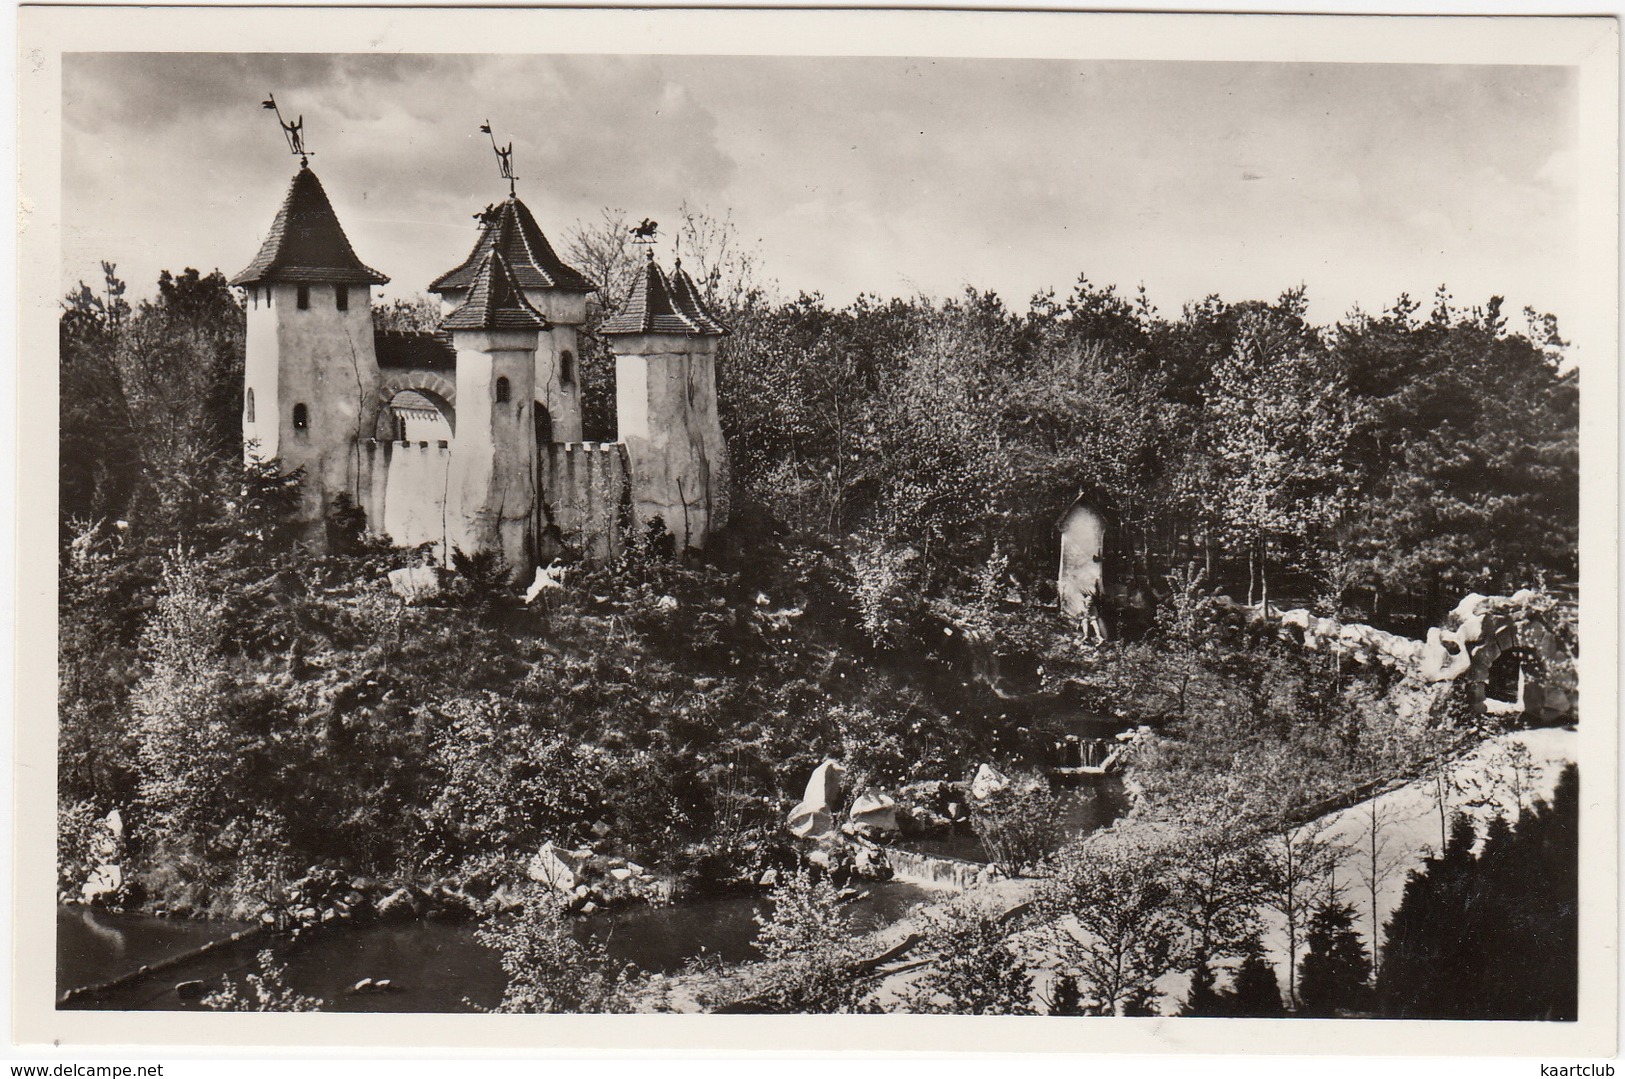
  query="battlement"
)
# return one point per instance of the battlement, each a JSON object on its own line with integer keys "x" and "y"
{"x": 584, "y": 495}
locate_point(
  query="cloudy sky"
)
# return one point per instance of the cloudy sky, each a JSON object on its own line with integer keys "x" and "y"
{"x": 889, "y": 175}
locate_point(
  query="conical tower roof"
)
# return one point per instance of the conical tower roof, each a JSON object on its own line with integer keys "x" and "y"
{"x": 494, "y": 301}
{"x": 306, "y": 244}
{"x": 693, "y": 304}
{"x": 510, "y": 229}
{"x": 660, "y": 304}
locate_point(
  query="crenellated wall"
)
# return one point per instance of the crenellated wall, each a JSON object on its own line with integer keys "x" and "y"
{"x": 584, "y": 493}
{"x": 411, "y": 485}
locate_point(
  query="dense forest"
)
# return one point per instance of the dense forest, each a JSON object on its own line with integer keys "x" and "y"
{"x": 885, "y": 595}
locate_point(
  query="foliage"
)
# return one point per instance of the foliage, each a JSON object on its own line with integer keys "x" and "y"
{"x": 1334, "y": 975}
{"x": 551, "y": 969}
{"x": 1118, "y": 927}
{"x": 265, "y": 990}
{"x": 976, "y": 970}
{"x": 1467, "y": 919}
{"x": 1019, "y": 826}
{"x": 810, "y": 961}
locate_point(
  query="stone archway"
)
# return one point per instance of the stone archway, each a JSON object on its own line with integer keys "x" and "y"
{"x": 434, "y": 386}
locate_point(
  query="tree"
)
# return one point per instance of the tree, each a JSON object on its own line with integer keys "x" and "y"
{"x": 189, "y": 748}
{"x": 1333, "y": 977}
{"x": 1295, "y": 861}
{"x": 1277, "y": 427}
{"x": 975, "y": 970}
{"x": 1467, "y": 920}
{"x": 1116, "y": 922}
{"x": 549, "y": 969}
{"x": 1018, "y": 826}
{"x": 1256, "y": 991}
{"x": 1376, "y": 860}
{"x": 810, "y": 964}
{"x": 1218, "y": 873}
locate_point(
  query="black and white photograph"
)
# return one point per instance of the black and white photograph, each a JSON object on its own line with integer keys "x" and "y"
{"x": 841, "y": 528}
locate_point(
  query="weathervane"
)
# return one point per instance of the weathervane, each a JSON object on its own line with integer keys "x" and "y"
{"x": 644, "y": 233}
{"x": 504, "y": 157}
{"x": 294, "y": 132}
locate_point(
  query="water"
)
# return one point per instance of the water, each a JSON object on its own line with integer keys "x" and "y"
{"x": 94, "y": 946}
{"x": 438, "y": 966}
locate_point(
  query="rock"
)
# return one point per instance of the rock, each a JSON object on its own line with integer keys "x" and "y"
{"x": 988, "y": 782}
{"x": 416, "y": 584}
{"x": 813, "y": 817}
{"x": 555, "y": 867}
{"x": 873, "y": 812}
{"x": 810, "y": 821}
{"x": 1443, "y": 656}
{"x": 363, "y": 986}
{"x": 666, "y": 603}
{"x": 190, "y": 990}
{"x": 104, "y": 883}
{"x": 768, "y": 879}
{"x": 397, "y": 906}
{"x": 621, "y": 873}
{"x": 547, "y": 580}
{"x": 589, "y": 907}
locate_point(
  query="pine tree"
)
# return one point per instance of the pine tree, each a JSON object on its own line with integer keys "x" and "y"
{"x": 1492, "y": 936}
{"x": 1204, "y": 999}
{"x": 1333, "y": 975}
{"x": 1256, "y": 992}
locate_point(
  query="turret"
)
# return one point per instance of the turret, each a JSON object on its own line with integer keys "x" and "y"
{"x": 310, "y": 370}
{"x": 555, "y": 290}
{"x": 665, "y": 342}
{"x": 495, "y": 332}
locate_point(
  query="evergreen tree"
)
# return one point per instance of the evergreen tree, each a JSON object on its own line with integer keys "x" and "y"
{"x": 1333, "y": 975}
{"x": 1492, "y": 936}
{"x": 1256, "y": 991}
{"x": 1203, "y": 999}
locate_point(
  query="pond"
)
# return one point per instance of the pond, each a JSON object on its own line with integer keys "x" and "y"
{"x": 439, "y": 966}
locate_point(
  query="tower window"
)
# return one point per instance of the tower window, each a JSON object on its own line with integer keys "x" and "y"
{"x": 567, "y": 368}
{"x": 341, "y": 297}
{"x": 301, "y": 417}
{"x": 304, "y": 297}
{"x": 248, "y": 406}
{"x": 503, "y": 391}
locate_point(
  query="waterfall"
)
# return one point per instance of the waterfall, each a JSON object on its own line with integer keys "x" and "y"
{"x": 937, "y": 870}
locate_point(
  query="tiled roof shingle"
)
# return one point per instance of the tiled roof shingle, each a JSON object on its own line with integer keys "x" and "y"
{"x": 306, "y": 244}
{"x": 658, "y": 304}
{"x": 512, "y": 231}
{"x": 494, "y": 302}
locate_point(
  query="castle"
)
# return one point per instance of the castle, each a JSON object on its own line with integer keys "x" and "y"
{"x": 470, "y": 438}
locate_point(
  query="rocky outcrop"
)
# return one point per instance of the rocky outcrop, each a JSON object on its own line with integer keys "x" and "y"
{"x": 586, "y": 881}
{"x": 814, "y": 816}
{"x": 417, "y": 584}
{"x": 1464, "y": 650}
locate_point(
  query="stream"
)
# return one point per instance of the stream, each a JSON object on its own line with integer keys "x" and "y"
{"x": 439, "y": 966}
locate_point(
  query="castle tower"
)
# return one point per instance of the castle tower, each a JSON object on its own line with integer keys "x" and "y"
{"x": 665, "y": 343}
{"x": 495, "y": 332}
{"x": 557, "y": 291}
{"x": 311, "y": 371}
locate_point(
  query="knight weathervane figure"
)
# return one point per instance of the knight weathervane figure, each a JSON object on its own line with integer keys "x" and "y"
{"x": 294, "y": 132}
